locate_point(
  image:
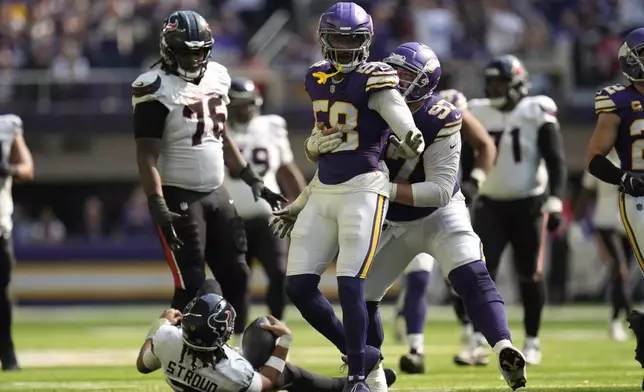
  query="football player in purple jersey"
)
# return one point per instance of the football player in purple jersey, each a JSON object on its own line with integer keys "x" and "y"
{"x": 348, "y": 196}
{"x": 427, "y": 214}
{"x": 620, "y": 125}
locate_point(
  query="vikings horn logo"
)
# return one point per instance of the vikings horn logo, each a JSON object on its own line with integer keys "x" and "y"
{"x": 431, "y": 65}
{"x": 221, "y": 322}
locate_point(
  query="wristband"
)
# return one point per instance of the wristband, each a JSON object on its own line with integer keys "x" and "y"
{"x": 285, "y": 341}
{"x": 276, "y": 363}
{"x": 393, "y": 191}
{"x": 155, "y": 327}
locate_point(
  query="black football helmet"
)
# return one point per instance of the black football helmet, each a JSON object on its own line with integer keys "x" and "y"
{"x": 186, "y": 43}
{"x": 245, "y": 101}
{"x": 207, "y": 322}
{"x": 506, "y": 81}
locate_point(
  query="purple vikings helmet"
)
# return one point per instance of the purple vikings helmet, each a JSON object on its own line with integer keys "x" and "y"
{"x": 418, "y": 70}
{"x": 631, "y": 56}
{"x": 345, "y": 33}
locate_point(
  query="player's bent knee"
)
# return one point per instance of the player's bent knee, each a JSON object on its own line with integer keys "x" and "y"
{"x": 301, "y": 287}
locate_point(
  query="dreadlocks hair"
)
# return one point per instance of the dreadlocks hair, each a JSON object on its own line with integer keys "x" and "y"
{"x": 207, "y": 358}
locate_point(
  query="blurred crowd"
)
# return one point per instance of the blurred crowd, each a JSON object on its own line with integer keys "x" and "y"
{"x": 69, "y": 37}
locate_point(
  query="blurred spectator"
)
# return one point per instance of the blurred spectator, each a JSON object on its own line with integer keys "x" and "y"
{"x": 135, "y": 219}
{"x": 70, "y": 64}
{"x": 93, "y": 219}
{"x": 48, "y": 228}
{"x": 505, "y": 27}
{"x": 435, "y": 24}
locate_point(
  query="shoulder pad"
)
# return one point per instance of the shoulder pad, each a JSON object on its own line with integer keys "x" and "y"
{"x": 147, "y": 84}
{"x": 605, "y": 99}
{"x": 379, "y": 76}
{"x": 545, "y": 104}
{"x": 220, "y": 79}
{"x": 323, "y": 65}
{"x": 277, "y": 124}
{"x": 454, "y": 97}
{"x": 317, "y": 73}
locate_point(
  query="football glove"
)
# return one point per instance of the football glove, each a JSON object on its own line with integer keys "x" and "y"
{"x": 318, "y": 144}
{"x": 164, "y": 219}
{"x": 632, "y": 185}
{"x": 260, "y": 190}
{"x": 413, "y": 145}
{"x": 283, "y": 220}
{"x": 553, "y": 207}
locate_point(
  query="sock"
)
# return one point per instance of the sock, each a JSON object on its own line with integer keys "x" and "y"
{"x": 459, "y": 310}
{"x": 6, "y": 343}
{"x": 295, "y": 379}
{"x": 415, "y": 307}
{"x": 483, "y": 302}
{"x": 533, "y": 297}
{"x": 375, "y": 330}
{"x": 182, "y": 297}
{"x": 275, "y": 296}
{"x": 416, "y": 342}
{"x": 303, "y": 292}
{"x": 354, "y": 315}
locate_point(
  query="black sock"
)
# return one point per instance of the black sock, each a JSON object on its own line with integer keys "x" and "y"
{"x": 297, "y": 379}
{"x": 6, "y": 344}
{"x": 533, "y": 298}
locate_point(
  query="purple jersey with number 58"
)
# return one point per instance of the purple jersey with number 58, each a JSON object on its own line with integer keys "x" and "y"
{"x": 347, "y": 103}
{"x": 437, "y": 119}
{"x": 626, "y": 102}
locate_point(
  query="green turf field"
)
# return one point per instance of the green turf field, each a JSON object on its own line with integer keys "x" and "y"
{"x": 93, "y": 349}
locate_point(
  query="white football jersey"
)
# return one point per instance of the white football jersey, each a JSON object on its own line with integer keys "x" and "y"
{"x": 10, "y": 127}
{"x": 192, "y": 149}
{"x": 606, "y": 202}
{"x": 231, "y": 374}
{"x": 265, "y": 146}
{"x": 519, "y": 170}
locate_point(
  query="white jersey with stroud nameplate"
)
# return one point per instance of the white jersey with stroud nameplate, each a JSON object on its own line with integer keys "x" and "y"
{"x": 231, "y": 374}
{"x": 265, "y": 146}
{"x": 192, "y": 150}
{"x": 519, "y": 170}
{"x": 10, "y": 127}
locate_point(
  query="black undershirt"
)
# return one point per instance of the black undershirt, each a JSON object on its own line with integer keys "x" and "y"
{"x": 149, "y": 119}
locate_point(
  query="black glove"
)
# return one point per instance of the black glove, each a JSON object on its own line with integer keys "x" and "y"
{"x": 164, "y": 218}
{"x": 260, "y": 190}
{"x": 469, "y": 189}
{"x": 632, "y": 185}
{"x": 554, "y": 220}
{"x": 8, "y": 170}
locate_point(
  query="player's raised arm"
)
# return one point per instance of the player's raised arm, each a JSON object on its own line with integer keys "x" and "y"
{"x": 394, "y": 110}
{"x": 441, "y": 162}
{"x": 477, "y": 137}
{"x": 147, "y": 361}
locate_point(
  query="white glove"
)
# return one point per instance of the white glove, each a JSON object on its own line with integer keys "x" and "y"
{"x": 318, "y": 144}
{"x": 413, "y": 145}
{"x": 283, "y": 220}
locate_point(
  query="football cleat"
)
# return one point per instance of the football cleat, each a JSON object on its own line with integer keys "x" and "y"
{"x": 636, "y": 323}
{"x": 356, "y": 386}
{"x": 474, "y": 352}
{"x": 532, "y": 351}
{"x": 412, "y": 363}
{"x": 616, "y": 331}
{"x": 9, "y": 361}
{"x": 512, "y": 365}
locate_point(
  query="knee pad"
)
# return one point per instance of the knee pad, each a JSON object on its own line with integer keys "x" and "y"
{"x": 473, "y": 283}
{"x": 422, "y": 262}
{"x": 301, "y": 287}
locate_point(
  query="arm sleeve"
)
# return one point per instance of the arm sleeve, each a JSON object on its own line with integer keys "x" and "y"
{"x": 441, "y": 169}
{"x": 551, "y": 147}
{"x": 393, "y": 109}
{"x": 149, "y": 119}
